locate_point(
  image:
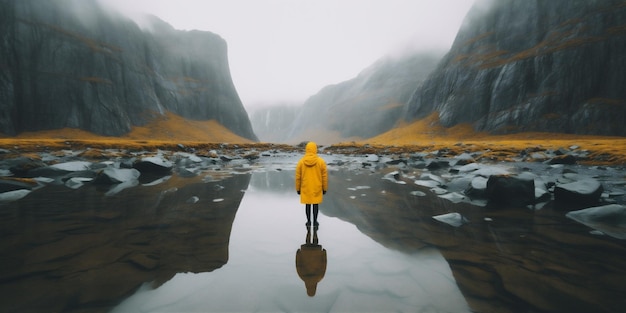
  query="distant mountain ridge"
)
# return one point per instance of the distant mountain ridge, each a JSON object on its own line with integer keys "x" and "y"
{"x": 77, "y": 64}
{"x": 362, "y": 107}
{"x": 518, "y": 65}
{"x": 273, "y": 123}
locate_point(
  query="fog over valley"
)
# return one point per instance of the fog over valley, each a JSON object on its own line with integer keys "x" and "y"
{"x": 449, "y": 156}
{"x": 283, "y": 51}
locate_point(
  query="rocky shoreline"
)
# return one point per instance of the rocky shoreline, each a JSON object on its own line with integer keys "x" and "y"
{"x": 530, "y": 178}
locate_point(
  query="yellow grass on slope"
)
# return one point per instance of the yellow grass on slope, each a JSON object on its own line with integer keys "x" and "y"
{"x": 167, "y": 130}
{"x": 172, "y": 127}
{"x": 424, "y": 131}
{"x": 169, "y": 127}
{"x": 428, "y": 134}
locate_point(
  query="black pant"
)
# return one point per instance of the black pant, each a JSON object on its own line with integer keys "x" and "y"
{"x": 307, "y": 210}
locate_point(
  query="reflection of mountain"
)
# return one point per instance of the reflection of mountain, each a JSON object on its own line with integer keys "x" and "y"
{"x": 522, "y": 261}
{"x": 79, "y": 250}
{"x": 74, "y": 63}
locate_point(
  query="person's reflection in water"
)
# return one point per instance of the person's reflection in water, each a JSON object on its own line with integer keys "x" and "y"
{"x": 311, "y": 261}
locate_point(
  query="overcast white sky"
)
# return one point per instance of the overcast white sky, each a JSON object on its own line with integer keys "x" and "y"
{"x": 287, "y": 50}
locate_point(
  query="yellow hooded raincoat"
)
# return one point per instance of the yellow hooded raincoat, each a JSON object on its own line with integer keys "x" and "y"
{"x": 311, "y": 176}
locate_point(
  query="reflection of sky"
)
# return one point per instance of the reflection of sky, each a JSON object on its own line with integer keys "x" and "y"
{"x": 260, "y": 275}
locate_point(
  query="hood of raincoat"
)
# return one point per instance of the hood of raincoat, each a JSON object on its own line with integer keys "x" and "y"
{"x": 310, "y": 155}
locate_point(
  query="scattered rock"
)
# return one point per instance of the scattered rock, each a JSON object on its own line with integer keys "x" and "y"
{"x": 77, "y": 182}
{"x": 609, "y": 219}
{"x": 464, "y": 159}
{"x": 453, "y": 197}
{"x": 452, "y": 219}
{"x": 11, "y": 185}
{"x": 582, "y": 192}
{"x": 46, "y": 171}
{"x": 73, "y": 166}
{"x": 187, "y": 172}
{"x": 372, "y": 158}
{"x": 83, "y": 174}
{"x": 477, "y": 187}
{"x": 418, "y": 193}
{"x": 395, "y": 161}
{"x": 14, "y": 195}
{"x": 394, "y": 177}
{"x": 193, "y": 199}
{"x": 427, "y": 183}
{"x": 20, "y": 166}
{"x": 563, "y": 159}
{"x": 116, "y": 188}
{"x": 509, "y": 189}
{"x": 253, "y": 155}
{"x": 111, "y": 175}
{"x": 437, "y": 164}
{"x": 157, "y": 181}
{"x": 155, "y": 165}
{"x": 189, "y": 157}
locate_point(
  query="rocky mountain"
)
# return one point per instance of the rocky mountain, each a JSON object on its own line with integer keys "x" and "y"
{"x": 519, "y": 65}
{"x": 273, "y": 123}
{"x": 75, "y": 63}
{"x": 362, "y": 107}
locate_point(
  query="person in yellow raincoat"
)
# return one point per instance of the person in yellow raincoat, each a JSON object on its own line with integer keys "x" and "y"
{"x": 311, "y": 181}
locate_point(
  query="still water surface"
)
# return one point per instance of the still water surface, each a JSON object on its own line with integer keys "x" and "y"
{"x": 229, "y": 245}
{"x": 361, "y": 275}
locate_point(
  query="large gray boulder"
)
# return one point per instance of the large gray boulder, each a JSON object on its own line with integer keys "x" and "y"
{"x": 154, "y": 165}
{"x": 584, "y": 191}
{"x": 510, "y": 189}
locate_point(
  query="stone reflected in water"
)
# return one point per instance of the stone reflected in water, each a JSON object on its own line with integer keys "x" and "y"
{"x": 73, "y": 250}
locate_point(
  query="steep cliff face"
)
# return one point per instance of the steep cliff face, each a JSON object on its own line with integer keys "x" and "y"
{"x": 74, "y": 63}
{"x": 519, "y": 65}
{"x": 364, "y": 106}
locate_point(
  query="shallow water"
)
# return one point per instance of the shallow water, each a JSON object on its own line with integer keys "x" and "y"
{"x": 233, "y": 249}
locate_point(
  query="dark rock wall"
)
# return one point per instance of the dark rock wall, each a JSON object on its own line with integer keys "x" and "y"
{"x": 519, "y": 65}
{"x": 70, "y": 63}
